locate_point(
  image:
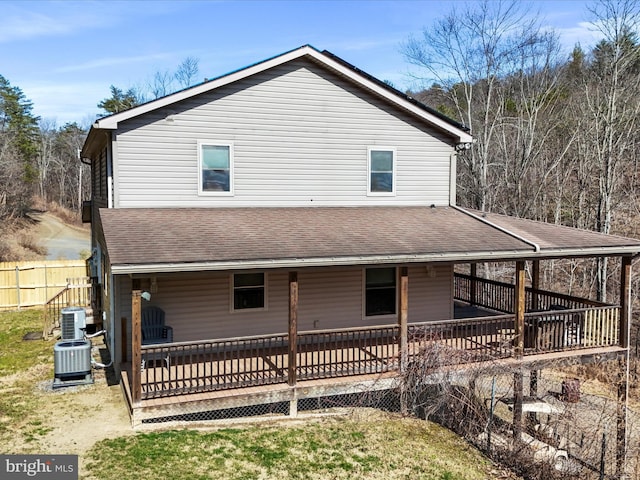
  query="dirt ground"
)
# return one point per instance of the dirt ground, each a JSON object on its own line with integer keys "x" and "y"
{"x": 73, "y": 418}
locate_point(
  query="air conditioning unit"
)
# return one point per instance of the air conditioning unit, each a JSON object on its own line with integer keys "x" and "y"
{"x": 72, "y": 323}
{"x": 72, "y": 363}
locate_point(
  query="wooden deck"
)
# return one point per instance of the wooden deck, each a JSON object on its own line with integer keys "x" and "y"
{"x": 189, "y": 378}
{"x": 193, "y": 404}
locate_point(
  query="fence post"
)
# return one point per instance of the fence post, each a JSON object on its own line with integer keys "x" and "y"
{"x": 18, "y": 285}
{"x": 46, "y": 285}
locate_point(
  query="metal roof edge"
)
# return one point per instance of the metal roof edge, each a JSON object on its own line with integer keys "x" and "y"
{"x": 535, "y": 246}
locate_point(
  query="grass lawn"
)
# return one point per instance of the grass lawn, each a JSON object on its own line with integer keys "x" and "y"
{"x": 367, "y": 444}
{"x": 22, "y": 365}
{"x": 376, "y": 446}
{"x": 16, "y": 355}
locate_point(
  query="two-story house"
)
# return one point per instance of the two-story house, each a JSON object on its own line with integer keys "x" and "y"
{"x": 296, "y": 223}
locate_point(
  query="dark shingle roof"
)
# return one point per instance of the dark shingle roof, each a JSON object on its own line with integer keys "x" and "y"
{"x": 263, "y": 237}
{"x": 549, "y": 236}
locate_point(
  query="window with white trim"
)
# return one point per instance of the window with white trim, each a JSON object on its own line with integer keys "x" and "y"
{"x": 380, "y": 291}
{"x": 381, "y": 175}
{"x": 249, "y": 291}
{"x": 215, "y": 162}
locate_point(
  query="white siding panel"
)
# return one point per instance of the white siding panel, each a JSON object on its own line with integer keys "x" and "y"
{"x": 197, "y": 305}
{"x": 300, "y": 138}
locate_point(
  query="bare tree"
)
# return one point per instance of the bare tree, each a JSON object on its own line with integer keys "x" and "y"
{"x": 469, "y": 53}
{"x": 48, "y": 132}
{"x": 161, "y": 84}
{"x": 614, "y": 80}
{"x": 187, "y": 72}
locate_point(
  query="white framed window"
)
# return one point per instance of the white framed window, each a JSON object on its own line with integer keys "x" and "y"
{"x": 248, "y": 291}
{"x": 381, "y": 175}
{"x": 215, "y": 168}
{"x": 380, "y": 291}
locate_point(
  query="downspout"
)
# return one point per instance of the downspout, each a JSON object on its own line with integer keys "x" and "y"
{"x": 110, "y": 171}
{"x": 453, "y": 166}
{"x": 536, "y": 247}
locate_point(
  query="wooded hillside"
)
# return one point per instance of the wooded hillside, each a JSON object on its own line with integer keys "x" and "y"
{"x": 556, "y": 134}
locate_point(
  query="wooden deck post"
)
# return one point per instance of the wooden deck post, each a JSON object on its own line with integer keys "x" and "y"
{"x": 473, "y": 294}
{"x": 625, "y": 301}
{"x": 293, "y": 327}
{"x": 518, "y": 307}
{"x": 535, "y": 284}
{"x": 403, "y": 312}
{"x": 623, "y": 380}
{"x": 136, "y": 343}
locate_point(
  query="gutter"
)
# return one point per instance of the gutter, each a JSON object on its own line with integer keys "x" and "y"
{"x": 536, "y": 247}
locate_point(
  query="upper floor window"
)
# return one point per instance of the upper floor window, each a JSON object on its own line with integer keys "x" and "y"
{"x": 249, "y": 291}
{"x": 382, "y": 163}
{"x": 216, "y": 168}
{"x": 380, "y": 291}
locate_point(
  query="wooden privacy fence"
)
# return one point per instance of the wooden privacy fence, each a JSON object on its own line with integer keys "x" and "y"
{"x": 31, "y": 284}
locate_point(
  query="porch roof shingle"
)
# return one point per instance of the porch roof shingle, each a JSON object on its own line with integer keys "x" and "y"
{"x": 164, "y": 239}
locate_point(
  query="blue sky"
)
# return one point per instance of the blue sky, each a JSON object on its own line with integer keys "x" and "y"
{"x": 64, "y": 55}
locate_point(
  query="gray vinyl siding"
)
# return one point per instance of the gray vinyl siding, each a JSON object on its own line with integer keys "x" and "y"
{"x": 300, "y": 136}
{"x": 197, "y": 305}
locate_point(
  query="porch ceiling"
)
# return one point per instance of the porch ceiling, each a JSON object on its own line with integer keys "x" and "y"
{"x": 162, "y": 239}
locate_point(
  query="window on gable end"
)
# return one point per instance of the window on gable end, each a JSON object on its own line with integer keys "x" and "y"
{"x": 382, "y": 175}
{"x": 215, "y": 168}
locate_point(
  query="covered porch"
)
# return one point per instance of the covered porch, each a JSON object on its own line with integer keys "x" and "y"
{"x": 327, "y": 341}
{"x": 495, "y": 321}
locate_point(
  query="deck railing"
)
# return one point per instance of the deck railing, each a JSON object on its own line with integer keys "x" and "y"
{"x": 463, "y": 341}
{"x": 499, "y": 296}
{"x": 192, "y": 367}
{"x": 77, "y": 293}
{"x": 201, "y": 366}
{"x": 340, "y": 353}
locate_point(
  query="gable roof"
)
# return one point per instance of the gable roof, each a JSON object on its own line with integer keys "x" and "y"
{"x": 191, "y": 239}
{"x": 457, "y": 131}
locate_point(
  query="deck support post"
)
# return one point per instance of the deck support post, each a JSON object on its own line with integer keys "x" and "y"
{"x": 517, "y": 404}
{"x": 403, "y": 309}
{"x": 518, "y": 307}
{"x": 625, "y": 301}
{"x": 136, "y": 343}
{"x": 403, "y": 312}
{"x": 473, "y": 294}
{"x": 293, "y": 328}
{"x": 293, "y": 404}
{"x": 623, "y": 366}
